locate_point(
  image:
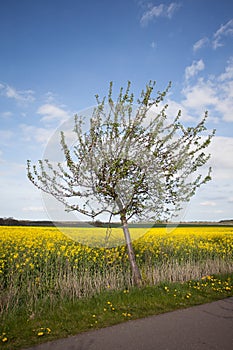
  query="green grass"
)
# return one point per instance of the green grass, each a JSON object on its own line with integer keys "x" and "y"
{"x": 54, "y": 320}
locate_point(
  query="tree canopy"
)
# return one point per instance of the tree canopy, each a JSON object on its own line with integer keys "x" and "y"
{"x": 129, "y": 159}
{"x": 132, "y": 162}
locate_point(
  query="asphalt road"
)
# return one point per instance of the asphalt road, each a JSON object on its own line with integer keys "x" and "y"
{"x": 203, "y": 327}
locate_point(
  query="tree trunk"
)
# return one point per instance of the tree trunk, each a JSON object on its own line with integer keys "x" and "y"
{"x": 137, "y": 278}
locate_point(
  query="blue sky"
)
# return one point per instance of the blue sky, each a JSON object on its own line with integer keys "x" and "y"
{"x": 56, "y": 55}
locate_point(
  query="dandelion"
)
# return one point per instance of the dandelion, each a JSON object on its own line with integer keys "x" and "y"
{"x": 4, "y": 338}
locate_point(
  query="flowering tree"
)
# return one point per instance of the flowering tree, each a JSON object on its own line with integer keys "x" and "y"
{"x": 130, "y": 163}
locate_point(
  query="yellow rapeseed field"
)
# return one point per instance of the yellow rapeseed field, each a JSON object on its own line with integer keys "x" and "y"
{"x": 37, "y": 261}
{"x": 26, "y": 248}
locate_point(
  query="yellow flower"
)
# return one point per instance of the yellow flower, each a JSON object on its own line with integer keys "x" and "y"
{"x": 40, "y": 334}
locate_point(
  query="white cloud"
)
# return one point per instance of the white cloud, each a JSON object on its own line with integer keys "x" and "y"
{"x": 153, "y": 45}
{"x": 33, "y": 209}
{"x": 51, "y": 112}
{"x": 216, "y": 196}
{"x": 161, "y": 10}
{"x": 214, "y": 93}
{"x": 155, "y": 11}
{"x": 195, "y": 67}
{"x": 5, "y": 135}
{"x": 225, "y": 108}
{"x": 50, "y": 97}
{"x": 20, "y": 96}
{"x": 6, "y": 114}
{"x": 169, "y": 12}
{"x": 200, "y": 96}
{"x": 200, "y": 43}
{"x": 228, "y": 74}
{"x": 216, "y": 41}
{"x": 208, "y": 204}
{"x": 224, "y": 30}
{"x": 225, "y": 90}
{"x": 221, "y": 150}
{"x": 17, "y": 193}
{"x": 33, "y": 133}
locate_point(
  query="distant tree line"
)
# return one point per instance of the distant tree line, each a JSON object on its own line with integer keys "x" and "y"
{"x": 10, "y": 221}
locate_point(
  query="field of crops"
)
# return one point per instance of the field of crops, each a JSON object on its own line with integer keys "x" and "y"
{"x": 43, "y": 263}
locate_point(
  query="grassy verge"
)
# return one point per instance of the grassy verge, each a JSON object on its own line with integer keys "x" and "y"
{"x": 63, "y": 318}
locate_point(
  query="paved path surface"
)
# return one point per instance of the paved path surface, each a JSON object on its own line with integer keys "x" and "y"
{"x": 203, "y": 327}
